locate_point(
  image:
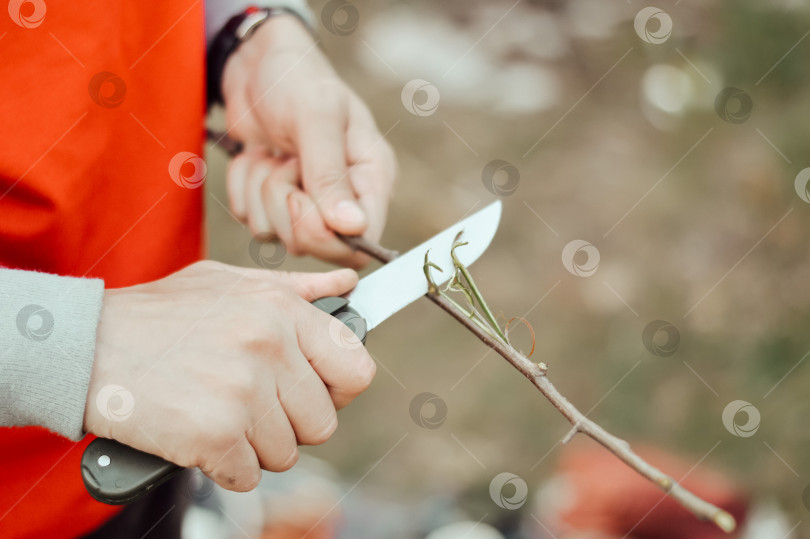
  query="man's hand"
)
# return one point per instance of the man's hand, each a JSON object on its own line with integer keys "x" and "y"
{"x": 314, "y": 162}
{"x": 224, "y": 368}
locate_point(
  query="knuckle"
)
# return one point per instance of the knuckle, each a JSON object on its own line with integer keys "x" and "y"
{"x": 260, "y": 172}
{"x": 392, "y": 165}
{"x": 357, "y": 380}
{"x": 264, "y": 347}
{"x": 251, "y": 328}
{"x": 221, "y": 464}
{"x": 220, "y": 438}
{"x": 285, "y": 462}
{"x": 324, "y": 431}
{"x": 365, "y": 372}
{"x": 266, "y": 188}
{"x": 278, "y": 296}
{"x": 265, "y": 299}
{"x": 235, "y": 479}
{"x": 249, "y": 482}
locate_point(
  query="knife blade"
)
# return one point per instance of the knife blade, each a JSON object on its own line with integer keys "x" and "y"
{"x": 115, "y": 474}
{"x": 402, "y": 281}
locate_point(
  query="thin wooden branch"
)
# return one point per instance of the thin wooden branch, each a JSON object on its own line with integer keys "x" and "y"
{"x": 374, "y": 250}
{"x": 231, "y": 146}
{"x": 536, "y": 374}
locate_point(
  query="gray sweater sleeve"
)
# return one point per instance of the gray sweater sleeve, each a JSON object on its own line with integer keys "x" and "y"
{"x": 47, "y": 343}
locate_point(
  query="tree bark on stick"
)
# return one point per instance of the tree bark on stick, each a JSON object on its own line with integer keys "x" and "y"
{"x": 537, "y": 375}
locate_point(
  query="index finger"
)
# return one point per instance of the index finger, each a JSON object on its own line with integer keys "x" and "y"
{"x": 374, "y": 167}
{"x": 336, "y": 355}
{"x": 322, "y": 148}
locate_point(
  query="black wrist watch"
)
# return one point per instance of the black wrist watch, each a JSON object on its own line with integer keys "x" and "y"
{"x": 235, "y": 32}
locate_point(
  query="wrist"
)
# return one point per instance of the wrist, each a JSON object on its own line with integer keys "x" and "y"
{"x": 281, "y": 32}
{"x": 91, "y": 422}
{"x": 251, "y": 34}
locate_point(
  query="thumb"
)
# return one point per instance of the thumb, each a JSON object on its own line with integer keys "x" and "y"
{"x": 322, "y": 147}
{"x": 312, "y": 286}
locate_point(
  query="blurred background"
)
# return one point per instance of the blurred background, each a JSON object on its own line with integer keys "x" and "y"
{"x": 671, "y": 141}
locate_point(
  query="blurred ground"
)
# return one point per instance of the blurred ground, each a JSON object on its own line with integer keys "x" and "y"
{"x": 617, "y": 142}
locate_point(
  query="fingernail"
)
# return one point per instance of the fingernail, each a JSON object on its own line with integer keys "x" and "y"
{"x": 349, "y": 212}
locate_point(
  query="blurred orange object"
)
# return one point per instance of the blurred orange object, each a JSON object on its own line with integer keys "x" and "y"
{"x": 293, "y": 532}
{"x": 302, "y": 502}
{"x": 604, "y": 495}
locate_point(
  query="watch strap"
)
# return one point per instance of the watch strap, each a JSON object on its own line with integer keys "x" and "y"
{"x": 236, "y": 31}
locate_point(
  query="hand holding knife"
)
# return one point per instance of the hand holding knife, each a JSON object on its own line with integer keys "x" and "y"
{"x": 115, "y": 473}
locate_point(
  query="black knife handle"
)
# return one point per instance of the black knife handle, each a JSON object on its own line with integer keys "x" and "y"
{"x": 115, "y": 474}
